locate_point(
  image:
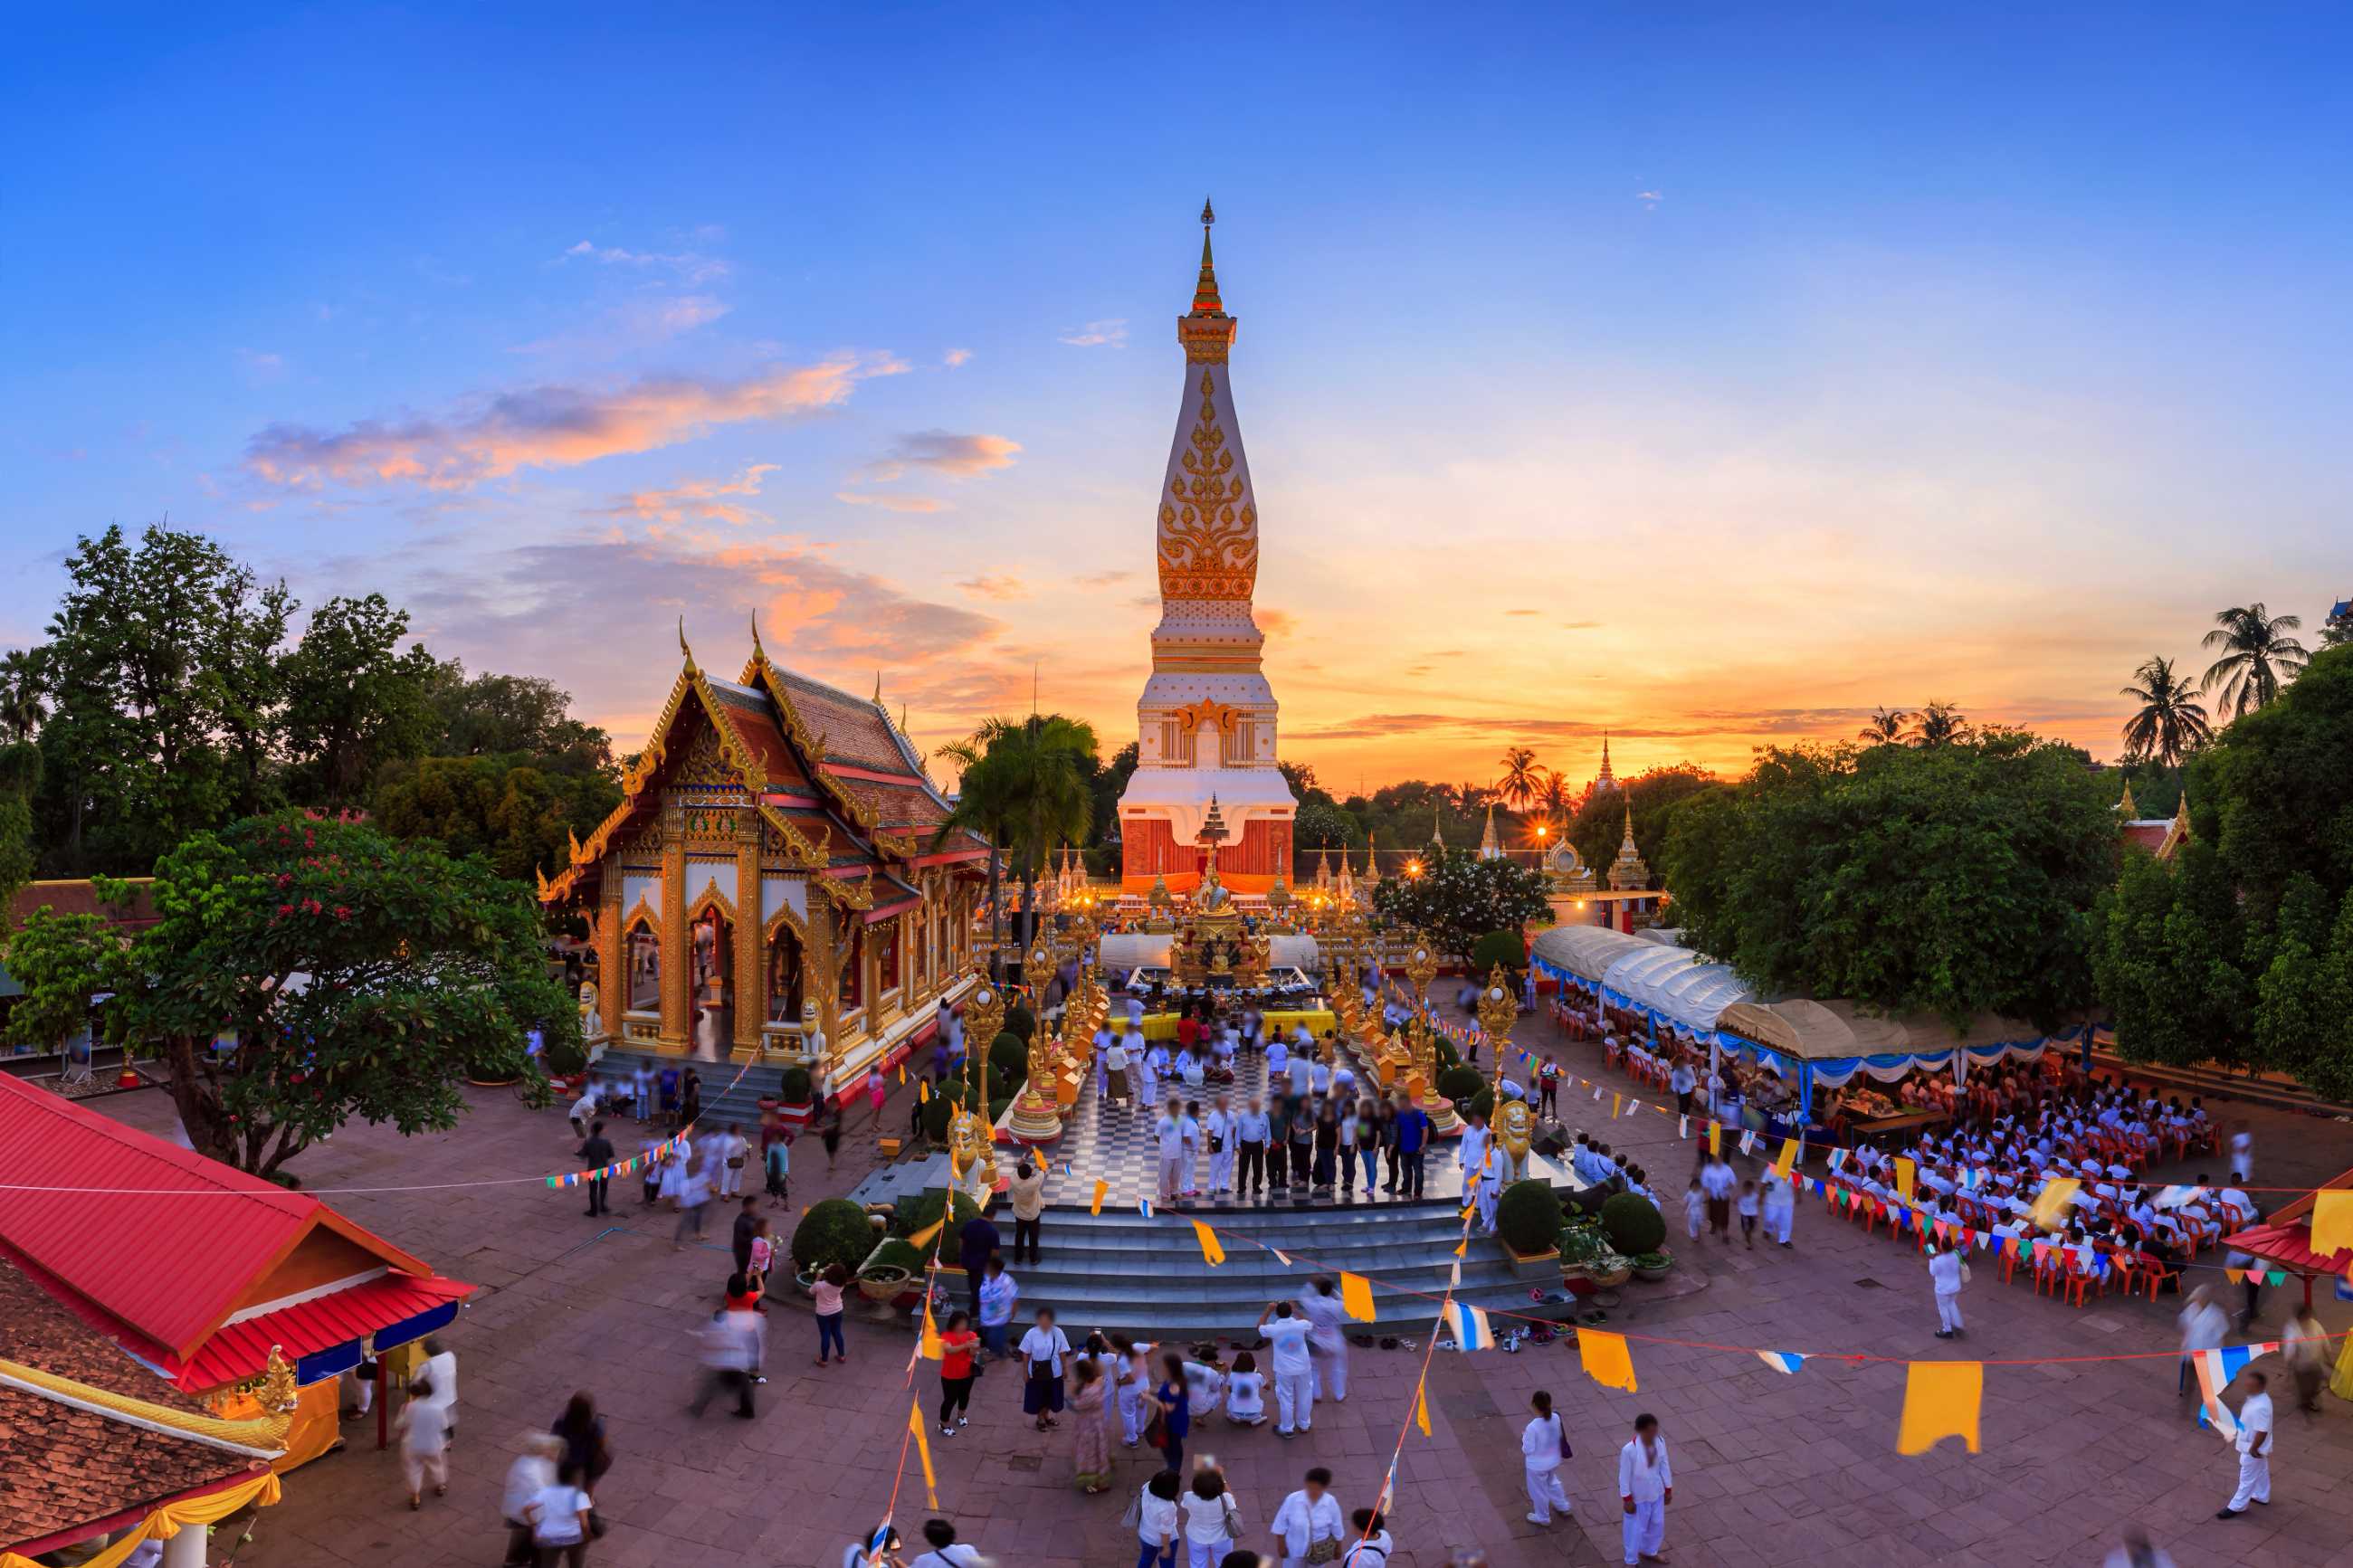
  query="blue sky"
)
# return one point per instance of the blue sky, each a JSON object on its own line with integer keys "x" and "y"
{"x": 1711, "y": 378}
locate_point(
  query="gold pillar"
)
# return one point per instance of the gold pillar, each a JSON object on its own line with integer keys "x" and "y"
{"x": 612, "y": 953}
{"x": 751, "y": 934}
{"x": 821, "y": 972}
{"x": 677, "y": 956}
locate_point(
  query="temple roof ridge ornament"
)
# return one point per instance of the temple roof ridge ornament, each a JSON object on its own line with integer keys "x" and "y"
{"x": 1204, "y": 290}
{"x": 1605, "y": 779}
{"x": 1490, "y": 847}
{"x": 2125, "y": 807}
{"x": 1628, "y": 873}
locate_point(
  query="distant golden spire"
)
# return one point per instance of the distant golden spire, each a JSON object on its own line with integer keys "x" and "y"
{"x": 682, "y": 647}
{"x": 2125, "y": 807}
{"x": 1205, "y": 292}
{"x": 758, "y": 653}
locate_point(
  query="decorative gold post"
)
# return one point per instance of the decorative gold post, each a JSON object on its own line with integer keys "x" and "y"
{"x": 1514, "y": 1125}
{"x": 677, "y": 942}
{"x": 750, "y": 938}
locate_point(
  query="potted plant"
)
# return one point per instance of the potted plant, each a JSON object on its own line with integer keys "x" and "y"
{"x": 1579, "y": 1245}
{"x": 1527, "y": 1217}
{"x": 1653, "y": 1266}
{"x": 834, "y": 1230}
{"x": 892, "y": 1270}
{"x": 1611, "y": 1271}
{"x": 1632, "y": 1224}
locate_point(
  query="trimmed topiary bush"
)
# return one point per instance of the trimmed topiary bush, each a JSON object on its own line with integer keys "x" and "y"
{"x": 895, "y": 1254}
{"x": 834, "y": 1231}
{"x": 1633, "y": 1223}
{"x": 1021, "y": 1023}
{"x": 918, "y": 1213}
{"x": 1481, "y": 1104}
{"x": 944, "y": 1101}
{"x": 1504, "y": 947}
{"x": 1459, "y": 1084}
{"x": 1528, "y": 1216}
{"x": 794, "y": 1086}
{"x": 1009, "y": 1053}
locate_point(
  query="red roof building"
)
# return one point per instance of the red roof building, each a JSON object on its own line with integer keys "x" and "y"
{"x": 198, "y": 1270}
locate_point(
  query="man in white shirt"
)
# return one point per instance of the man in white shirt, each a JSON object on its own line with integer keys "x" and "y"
{"x": 1717, "y": 1183}
{"x": 730, "y": 1156}
{"x": 1172, "y": 1135}
{"x": 1219, "y": 1130}
{"x": 2242, "y": 1155}
{"x": 2255, "y": 1446}
{"x": 1302, "y": 1067}
{"x": 1105, "y": 1036}
{"x": 1295, "y": 1368}
{"x": 1646, "y": 1484}
{"x": 1307, "y": 1516}
{"x": 1472, "y": 1148}
{"x": 1321, "y": 1308}
{"x": 584, "y": 1109}
{"x": 1945, "y": 1275}
{"x": 1495, "y": 1169}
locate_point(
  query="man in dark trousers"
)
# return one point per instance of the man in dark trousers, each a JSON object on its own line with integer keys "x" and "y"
{"x": 747, "y": 1230}
{"x": 596, "y": 1153}
{"x": 977, "y": 1243}
{"x": 1413, "y": 1145}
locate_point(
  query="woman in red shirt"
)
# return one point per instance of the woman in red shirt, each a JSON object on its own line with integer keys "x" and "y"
{"x": 957, "y": 1342}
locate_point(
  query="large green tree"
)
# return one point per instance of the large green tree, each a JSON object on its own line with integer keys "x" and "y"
{"x": 1456, "y": 898}
{"x": 1026, "y": 786}
{"x": 1954, "y": 878}
{"x": 2169, "y": 722}
{"x": 303, "y": 972}
{"x": 491, "y": 715}
{"x": 1599, "y": 825}
{"x": 2257, "y": 656}
{"x": 143, "y": 676}
{"x": 354, "y": 701}
{"x": 517, "y": 814}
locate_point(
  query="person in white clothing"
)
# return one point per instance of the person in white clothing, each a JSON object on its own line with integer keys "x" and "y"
{"x": 1307, "y": 1516}
{"x": 1213, "y": 1523}
{"x": 1295, "y": 1368}
{"x": 1132, "y": 1376}
{"x": 2255, "y": 1446}
{"x": 1495, "y": 1166}
{"x": 1370, "y": 1545}
{"x": 424, "y": 1432}
{"x": 1646, "y": 1485}
{"x": 1780, "y": 1207}
{"x": 1321, "y": 1308}
{"x": 1947, "y": 1274}
{"x": 1473, "y": 1150}
{"x": 731, "y": 1154}
{"x": 2242, "y": 1155}
{"x": 1219, "y": 1131}
{"x": 1543, "y": 1444}
{"x": 1245, "y": 1392}
{"x": 1171, "y": 1138}
{"x": 947, "y": 1551}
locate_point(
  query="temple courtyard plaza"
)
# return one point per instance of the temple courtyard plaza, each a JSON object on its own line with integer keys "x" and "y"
{"x": 1769, "y": 1469}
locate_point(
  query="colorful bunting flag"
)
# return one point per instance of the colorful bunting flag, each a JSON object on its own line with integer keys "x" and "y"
{"x": 1748, "y": 1141}
{"x": 1356, "y": 1296}
{"x": 1682, "y": 1126}
{"x": 1101, "y": 1187}
{"x": 2051, "y": 1204}
{"x": 1904, "y": 1172}
{"x": 922, "y": 1238}
{"x": 1789, "y": 1159}
{"x": 924, "y": 1449}
{"x": 1716, "y": 1138}
{"x": 1421, "y": 1407}
{"x": 1470, "y": 1326}
{"x": 1616, "y": 1103}
{"x": 1211, "y": 1251}
{"x": 1941, "y": 1399}
{"x": 922, "y": 1091}
{"x": 1144, "y": 1207}
{"x": 1605, "y": 1359}
{"x": 1781, "y": 1361}
{"x": 1280, "y": 1257}
{"x": 2332, "y": 1223}
{"x": 931, "y": 1349}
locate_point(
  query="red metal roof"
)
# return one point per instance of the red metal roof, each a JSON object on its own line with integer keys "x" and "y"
{"x": 242, "y": 1349}
{"x": 2291, "y": 1247}
{"x": 171, "y": 1240}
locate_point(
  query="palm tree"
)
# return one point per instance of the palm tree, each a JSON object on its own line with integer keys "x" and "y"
{"x": 1885, "y": 728}
{"x": 1558, "y": 800}
{"x": 1938, "y": 724}
{"x": 22, "y": 678}
{"x": 2169, "y": 725}
{"x": 2257, "y": 657}
{"x": 1523, "y": 781}
{"x": 1024, "y": 787}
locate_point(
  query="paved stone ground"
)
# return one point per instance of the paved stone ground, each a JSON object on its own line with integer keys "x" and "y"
{"x": 1772, "y": 1469}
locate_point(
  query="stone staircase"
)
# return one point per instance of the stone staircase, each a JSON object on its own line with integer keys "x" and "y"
{"x": 1146, "y": 1276}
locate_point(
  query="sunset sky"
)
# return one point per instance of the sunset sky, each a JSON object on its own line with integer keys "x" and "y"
{"x": 1708, "y": 379}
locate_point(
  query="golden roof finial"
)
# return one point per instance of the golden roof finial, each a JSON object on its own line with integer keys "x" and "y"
{"x": 1204, "y": 290}
{"x": 2125, "y": 809}
{"x": 758, "y": 653}
{"x": 682, "y": 647}
{"x": 878, "y": 689}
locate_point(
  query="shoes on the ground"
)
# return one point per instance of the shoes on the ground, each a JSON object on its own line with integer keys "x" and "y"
{"x": 1539, "y": 1518}
{"x": 2226, "y": 1513}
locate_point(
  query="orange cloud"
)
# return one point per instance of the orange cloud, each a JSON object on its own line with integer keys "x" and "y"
{"x": 891, "y": 503}
{"x": 944, "y": 452}
{"x": 705, "y": 499}
{"x": 551, "y": 426}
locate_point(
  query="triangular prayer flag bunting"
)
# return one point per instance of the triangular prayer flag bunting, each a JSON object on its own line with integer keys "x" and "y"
{"x": 1789, "y": 1159}
{"x": 1422, "y": 1405}
{"x": 2276, "y": 1277}
{"x": 1905, "y": 1171}
{"x": 1748, "y": 1141}
{"x": 1605, "y": 1359}
{"x": 1781, "y": 1361}
{"x": 924, "y": 1449}
{"x": 2332, "y": 1223}
{"x": 1101, "y": 1188}
{"x": 902, "y": 1074}
{"x": 922, "y": 1091}
{"x": 1454, "y": 1276}
{"x": 1281, "y": 1256}
{"x": 1211, "y": 1249}
{"x": 931, "y": 1349}
{"x": 2051, "y": 1203}
{"x": 1616, "y": 1103}
{"x": 1356, "y": 1296}
{"x": 1471, "y": 1331}
{"x": 2218, "y": 1367}
{"x": 1716, "y": 1138}
{"x": 1144, "y": 1207}
{"x": 1941, "y": 1399}
{"x": 922, "y": 1238}
{"x": 1682, "y": 1126}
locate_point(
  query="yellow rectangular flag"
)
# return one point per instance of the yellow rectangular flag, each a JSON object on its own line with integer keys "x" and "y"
{"x": 1789, "y": 1159}
{"x": 933, "y": 1349}
{"x": 1905, "y": 1171}
{"x": 1211, "y": 1249}
{"x": 923, "y": 1449}
{"x": 1605, "y": 1358}
{"x": 1421, "y": 1407}
{"x": 1616, "y": 1101}
{"x": 922, "y": 1091}
{"x": 1356, "y": 1296}
{"x": 1716, "y": 1137}
{"x": 2050, "y": 1204}
{"x": 2332, "y": 1223}
{"x": 902, "y": 1073}
{"x": 922, "y": 1238}
{"x": 1101, "y": 1187}
{"x": 1941, "y": 1400}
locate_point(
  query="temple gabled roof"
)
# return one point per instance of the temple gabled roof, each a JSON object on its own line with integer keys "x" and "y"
{"x": 837, "y": 781}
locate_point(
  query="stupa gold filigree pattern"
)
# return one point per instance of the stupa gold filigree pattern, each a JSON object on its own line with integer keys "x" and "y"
{"x": 1209, "y": 528}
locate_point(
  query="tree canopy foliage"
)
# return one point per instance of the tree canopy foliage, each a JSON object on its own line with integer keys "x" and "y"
{"x": 302, "y": 972}
{"x": 2241, "y": 949}
{"x": 1599, "y": 825}
{"x": 1954, "y": 878}
{"x": 1457, "y": 898}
